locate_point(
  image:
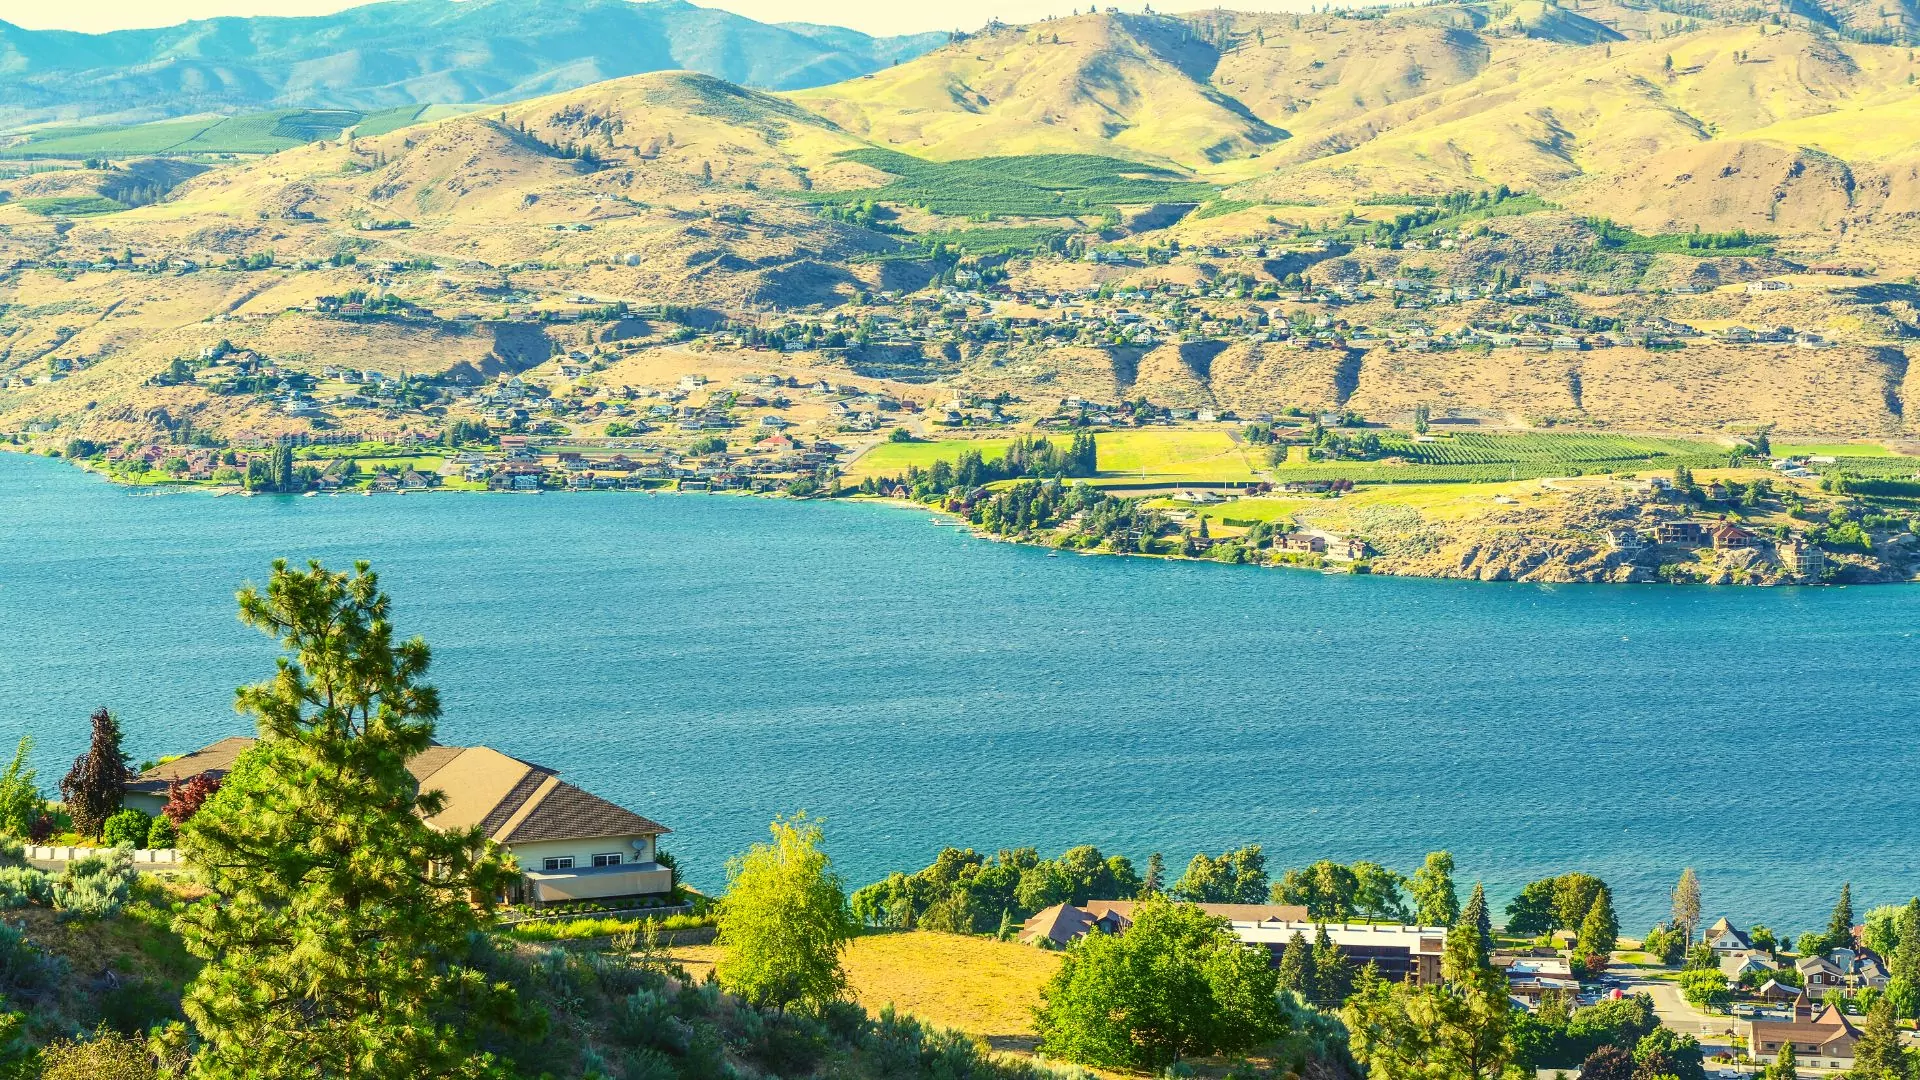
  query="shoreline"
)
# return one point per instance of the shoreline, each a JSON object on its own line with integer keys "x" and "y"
{"x": 1377, "y": 565}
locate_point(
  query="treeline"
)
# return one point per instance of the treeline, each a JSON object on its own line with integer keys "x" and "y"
{"x": 1026, "y": 457}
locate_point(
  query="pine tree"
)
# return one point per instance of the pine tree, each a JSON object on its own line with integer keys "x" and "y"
{"x": 1686, "y": 903}
{"x": 1467, "y": 947}
{"x": 1476, "y": 914}
{"x": 93, "y": 788}
{"x": 1880, "y": 1055}
{"x": 1156, "y": 879}
{"x": 1296, "y": 967}
{"x": 1333, "y": 972}
{"x": 337, "y": 913}
{"x": 1840, "y": 927}
{"x": 1783, "y": 1066}
{"x": 1600, "y": 931}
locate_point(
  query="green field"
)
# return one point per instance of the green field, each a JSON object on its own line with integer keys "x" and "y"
{"x": 71, "y": 205}
{"x": 1191, "y": 455}
{"x": 1029, "y": 185}
{"x": 251, "y": 133}
{"x": 894, "y": 458}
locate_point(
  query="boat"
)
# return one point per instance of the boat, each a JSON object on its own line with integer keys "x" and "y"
{"x": 334, "y": 495}
{"x": 310, "y": 494}
{"x": 368, "y": 493}
{"x": 1053, "y": 554}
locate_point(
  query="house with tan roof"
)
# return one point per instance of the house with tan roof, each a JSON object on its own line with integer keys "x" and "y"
{"x": 570, "y": 844}
{"x": 1823, "y": 1039}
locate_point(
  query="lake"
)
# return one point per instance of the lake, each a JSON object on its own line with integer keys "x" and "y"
{"x": 711, "y": 661}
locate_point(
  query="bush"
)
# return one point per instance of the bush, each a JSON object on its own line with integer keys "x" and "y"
{"x": 162, "y": 834}
{"x": 96, "y": 886}
{"x": 108, "y": 1055}
{"x": 127, "y": 829}
{"x": 23, "y": 885}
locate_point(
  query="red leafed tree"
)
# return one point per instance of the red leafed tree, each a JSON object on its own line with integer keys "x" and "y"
{"x": 183, "y": 800}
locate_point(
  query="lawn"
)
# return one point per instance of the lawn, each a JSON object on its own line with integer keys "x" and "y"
{"x": 893, "y": 458}
{"x": 977, "y": 985}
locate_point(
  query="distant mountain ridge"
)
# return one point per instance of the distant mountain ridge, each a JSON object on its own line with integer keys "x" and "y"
{"x": 414, "y": 52}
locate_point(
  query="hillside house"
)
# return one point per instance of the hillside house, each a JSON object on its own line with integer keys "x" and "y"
{"x": 1530, "y": 977}
{"x": 1731, "y": 537}
{"x": 1681, "y": 532}
{"x": 570, "y": 844}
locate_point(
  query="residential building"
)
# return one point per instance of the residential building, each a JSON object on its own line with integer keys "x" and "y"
{"x": 570, "y": 844}
{"x": 1681, "y": 532}
{"x": 1729, "y": 537}
{"x": 1802, "y": 558}
{"x": 1529, "y": 977}
{"x": 1823, "y": 1040}
{"x": 1399, "y": 953}
{"x": 1062, "y": 924}
{"x": 1736, "y": 964}
{"x": 1724, "y": 937}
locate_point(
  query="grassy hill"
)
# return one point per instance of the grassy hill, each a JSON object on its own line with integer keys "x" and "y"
{"x": 382, "y": 56}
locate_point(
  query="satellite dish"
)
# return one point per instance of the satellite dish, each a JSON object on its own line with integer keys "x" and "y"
{"x": 640, "y": 844}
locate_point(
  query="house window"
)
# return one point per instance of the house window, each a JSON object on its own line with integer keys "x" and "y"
{"x": 562, "y": 862}
{"x": 607, "y": 860}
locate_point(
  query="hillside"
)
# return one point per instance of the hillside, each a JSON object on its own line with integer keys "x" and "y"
{"x": 411, "y": 52}
{"x": 1236, "y": 212}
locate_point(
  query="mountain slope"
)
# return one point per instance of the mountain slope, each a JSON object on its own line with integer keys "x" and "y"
{"x": 412, "y": 52}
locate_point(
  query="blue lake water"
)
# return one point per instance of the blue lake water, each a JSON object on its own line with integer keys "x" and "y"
{"x": 712, "y": 661}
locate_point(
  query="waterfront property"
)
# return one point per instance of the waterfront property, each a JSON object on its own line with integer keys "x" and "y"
{"x": 1398, "y": 953}
{"x": 1724, "y": 937}
{"x": 1061, "y": 924}
{"x": 1530, "y": 977}
{"x": 569, "y": 843}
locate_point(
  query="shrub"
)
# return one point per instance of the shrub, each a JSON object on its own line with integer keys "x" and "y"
{"x": 96, "y": 886}
{"x": 23, "y": 967}
{"x": 108, "y": 1055}
{"x": 23, "y": 885}
{"x": 162, "y": 833}
{"x": 127, "y": 829}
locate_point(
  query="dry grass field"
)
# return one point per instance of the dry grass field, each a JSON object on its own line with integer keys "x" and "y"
{"x": 977, "y": 985}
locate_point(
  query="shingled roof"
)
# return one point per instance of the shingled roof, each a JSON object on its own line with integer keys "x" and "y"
{"x": 511, "y": 801}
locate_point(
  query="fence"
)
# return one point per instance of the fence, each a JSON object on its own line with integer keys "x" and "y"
{"x": 143, "y": 859}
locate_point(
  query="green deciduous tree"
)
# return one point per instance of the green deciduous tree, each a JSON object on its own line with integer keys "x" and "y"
{"x": 339, "y": 917}
{"x": 92, "y": 789}
{"x": 1434, "y": 899}
{"x": 1176, "y": 984}
{"x": 1531, "y": 912}
{"x": 784, "y": 920}
{"x": 1903, "y": 988}
{"x": 20, "y": 801}
{"x": 1236, "y": 877}
{"x": 1665, "y": 1052}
